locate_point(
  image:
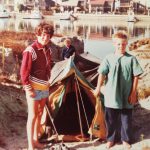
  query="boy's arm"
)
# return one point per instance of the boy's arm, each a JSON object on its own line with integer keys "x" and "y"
{"x": 25, "y": 72}
{"x": 101, "y": 79}
{"x": 133, "y": 96}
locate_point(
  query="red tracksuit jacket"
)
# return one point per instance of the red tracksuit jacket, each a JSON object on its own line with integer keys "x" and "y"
{"x": 36, "y": 65}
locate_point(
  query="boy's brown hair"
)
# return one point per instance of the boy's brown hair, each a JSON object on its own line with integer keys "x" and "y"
{"x": 121, "y": 34}
{"x": 44, "y": 27}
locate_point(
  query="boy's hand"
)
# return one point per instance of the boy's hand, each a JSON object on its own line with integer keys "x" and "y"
{"x": 96, "y": 92}
{"x": 133, "y": 98}
{"x": 48, "y": 84}
{"x": 30, "y": 93}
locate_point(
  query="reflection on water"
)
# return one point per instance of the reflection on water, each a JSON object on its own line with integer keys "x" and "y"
{"x": 18, "y": 25}
{"x": 96, "y": 34}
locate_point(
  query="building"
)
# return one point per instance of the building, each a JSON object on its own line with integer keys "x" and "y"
{"x": 87, "y": 6}
{"x": 100, "y": 6}
{"x": 119, "y": 6}
{"x": 13, "y": 4}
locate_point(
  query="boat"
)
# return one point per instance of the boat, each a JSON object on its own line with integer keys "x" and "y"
{"x": 131, "y": 16}
{"x": 68, "y": 16}
{"x": 35, "y": 14}
{"x": 132, "y": 19}
{"x": 4, "y": 14}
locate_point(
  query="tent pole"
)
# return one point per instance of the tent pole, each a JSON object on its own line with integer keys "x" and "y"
{"x": 84, "y": 108}
{"x": 82, "y": 104}
{"x": 81, "y": 128}
{"x": 52, "y": 121}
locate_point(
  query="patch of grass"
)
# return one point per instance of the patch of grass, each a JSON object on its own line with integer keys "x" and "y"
{"x": 15, "y": 40}
{"x": 143, "y": 93}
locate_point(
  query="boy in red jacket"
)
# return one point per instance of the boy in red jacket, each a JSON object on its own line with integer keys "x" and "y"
{"x": 35, "y": 73}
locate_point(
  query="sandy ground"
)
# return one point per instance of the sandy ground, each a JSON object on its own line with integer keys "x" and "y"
{"x": 13, "y": 131}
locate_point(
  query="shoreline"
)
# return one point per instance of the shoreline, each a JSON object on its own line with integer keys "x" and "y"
{"x": 84, "y": 17}
{"x": 110, "y": 17}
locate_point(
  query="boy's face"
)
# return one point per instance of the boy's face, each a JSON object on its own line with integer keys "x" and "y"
{"x": 44, "y": 38}
{"x": 120, "y": 45}
{"x": 67, "y": 43}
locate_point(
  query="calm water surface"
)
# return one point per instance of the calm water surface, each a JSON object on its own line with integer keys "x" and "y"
{"x": 95, "y": 33}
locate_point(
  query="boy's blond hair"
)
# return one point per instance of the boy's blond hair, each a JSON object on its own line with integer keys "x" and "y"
{"x": 121, "y": 34}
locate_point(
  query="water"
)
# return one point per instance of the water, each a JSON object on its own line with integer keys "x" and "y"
{"x": 96, "y": 33}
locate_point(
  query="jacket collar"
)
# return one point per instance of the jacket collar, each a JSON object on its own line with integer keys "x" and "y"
{"x": 40, "y": 46}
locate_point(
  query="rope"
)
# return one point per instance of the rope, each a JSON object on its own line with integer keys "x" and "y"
{"x": 83, "y": 109}
{"x": 83, "y": 106}
{"x": 82, "y": 103}
{"x": 52, "y": 120}
{"x": 81, "y": 128}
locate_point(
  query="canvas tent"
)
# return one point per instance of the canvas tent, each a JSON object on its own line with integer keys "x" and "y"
{"x": 88, "y": 64}
{"x": 72, "y": 105}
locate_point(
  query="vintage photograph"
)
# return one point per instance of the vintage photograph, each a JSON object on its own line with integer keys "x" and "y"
{"x": 74, "y": 74}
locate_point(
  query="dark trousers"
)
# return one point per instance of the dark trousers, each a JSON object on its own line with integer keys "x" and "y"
{"x": 118, "y": 119}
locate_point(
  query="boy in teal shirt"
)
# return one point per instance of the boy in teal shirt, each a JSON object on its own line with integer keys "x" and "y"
{"x": 120, "y": 72}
